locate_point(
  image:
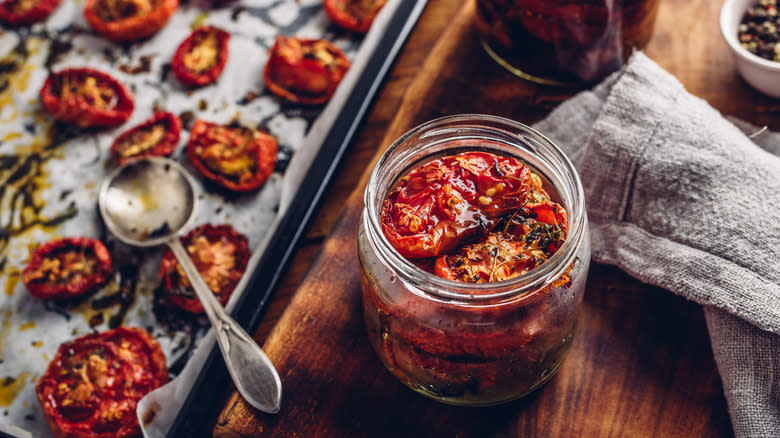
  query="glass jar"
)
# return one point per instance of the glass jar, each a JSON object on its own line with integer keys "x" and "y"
{"x": 467, "y": 343}
{"x": 564, "y": 42}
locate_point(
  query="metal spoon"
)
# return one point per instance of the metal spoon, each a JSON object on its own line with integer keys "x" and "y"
{"x": 148, "y": 203}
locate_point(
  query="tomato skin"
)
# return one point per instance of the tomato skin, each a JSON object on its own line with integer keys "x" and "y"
{"x": 173, "y": 279}
{"x": 190, "y": 78}
{"x": 353, "y": 15}
{"x": 37, "y": 13}
{"x": 239, "y": 143}
{"x": 133, "y": 28}
{"x": 93, "y": 248}
{"x": 76, "y": 109}
{"x": 164, "y": 147}
{"x": 305, "y": 71}
{"x": 441, "y": 204}
{"x": 548, "y": 212}
{"x": 122, "y": 366}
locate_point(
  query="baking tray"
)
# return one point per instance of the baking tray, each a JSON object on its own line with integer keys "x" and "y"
{"x": 85, "y": 153}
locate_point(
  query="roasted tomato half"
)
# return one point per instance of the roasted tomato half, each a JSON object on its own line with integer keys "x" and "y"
{"x": 86, "y": 98}
{"x": 157, "y": 136}
{"x": 124, "y": 21}
{"x": 219, "y": 252}
{"x": 24, "y": 12}
{"x": 67, "y": 268}
{"x": 201, "y": 57}
{"x": 92, "y": 386}
{"x": 495, "y": 258}
{"x": 445, "y": 202}
{"x": 354, "y": 15}
{"x": 305, "y": 71}
{"x": 237, "y": 158}
{"x": 526, "y": 241}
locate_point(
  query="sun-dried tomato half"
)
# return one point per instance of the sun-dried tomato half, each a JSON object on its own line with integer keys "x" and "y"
{"x": 67, "y": 268}
{"x": 86, "y": 98}
{"x": 221, "y": 255}
{"x": 495, "y": 258}
{"x": 201, "y": 57}
{"x": 354, "y": 15}
{"x": 305, "y": 71}
{"x": 24, "y": 12}
{"x": 125, "y": 21}
{"x": 523, "y": 241}
{"x": 157, "y": 136}
{"x": 92, "y": 386}
{"x": 429, "y": 339}
{"x": 237, "y": 158}
{"x": 443, "y": 203}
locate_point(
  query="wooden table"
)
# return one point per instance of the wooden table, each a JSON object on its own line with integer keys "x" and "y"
{"x": 641, "y": 364}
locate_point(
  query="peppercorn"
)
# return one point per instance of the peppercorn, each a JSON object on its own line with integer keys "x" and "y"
{"x": 759, "y": 30}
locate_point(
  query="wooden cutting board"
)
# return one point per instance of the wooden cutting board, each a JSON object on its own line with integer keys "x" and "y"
{"x": 641, "y": 363}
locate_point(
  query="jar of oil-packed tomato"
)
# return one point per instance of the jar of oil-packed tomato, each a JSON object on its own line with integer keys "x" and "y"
{"x": 474, "y": 248}
{"x": 564, "y": 41}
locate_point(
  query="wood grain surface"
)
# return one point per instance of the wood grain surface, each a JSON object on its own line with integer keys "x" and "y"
{"x": 641, "y": 363}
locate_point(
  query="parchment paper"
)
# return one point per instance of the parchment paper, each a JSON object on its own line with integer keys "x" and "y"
{"x": 48, "y": 187}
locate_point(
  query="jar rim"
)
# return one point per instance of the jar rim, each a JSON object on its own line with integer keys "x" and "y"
{"x": 472, "y": 293}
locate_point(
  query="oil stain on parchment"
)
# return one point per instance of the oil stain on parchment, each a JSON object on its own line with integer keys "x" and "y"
{"x": 23, "y": 175}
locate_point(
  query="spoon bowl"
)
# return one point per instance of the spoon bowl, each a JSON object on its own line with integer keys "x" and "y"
{"x": 150, "y": 202}
{"x": 146, "y": 202}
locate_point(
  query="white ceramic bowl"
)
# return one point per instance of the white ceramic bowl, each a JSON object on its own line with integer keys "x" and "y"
{"x": 762, "y": 74}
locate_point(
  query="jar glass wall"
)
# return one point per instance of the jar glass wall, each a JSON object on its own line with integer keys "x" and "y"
{"x": 473, "y": 343}
{"x": 564, "y": 42}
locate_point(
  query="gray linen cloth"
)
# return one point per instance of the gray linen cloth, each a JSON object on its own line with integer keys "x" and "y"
{"x": 679, "y": 197}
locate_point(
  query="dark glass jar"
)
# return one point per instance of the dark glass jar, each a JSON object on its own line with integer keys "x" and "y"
{"x": 467, "y": 343}
{"x": 564, "y": 42}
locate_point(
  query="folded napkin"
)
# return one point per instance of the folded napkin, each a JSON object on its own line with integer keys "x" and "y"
{"x": 681, "y": 198}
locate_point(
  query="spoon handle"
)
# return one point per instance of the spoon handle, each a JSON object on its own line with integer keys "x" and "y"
{"x": 253, "y": 373}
